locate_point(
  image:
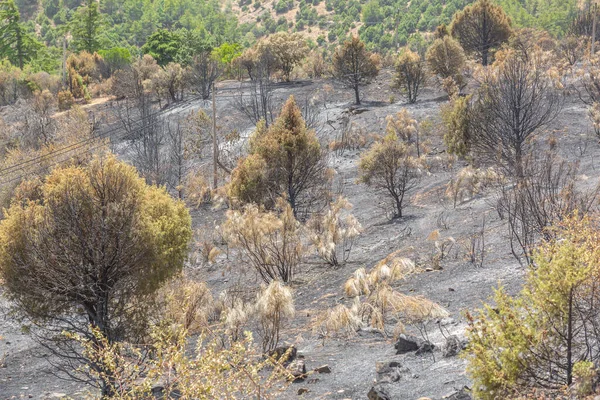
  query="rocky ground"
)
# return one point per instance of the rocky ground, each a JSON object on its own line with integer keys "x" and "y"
{"x": 356, "y": 363}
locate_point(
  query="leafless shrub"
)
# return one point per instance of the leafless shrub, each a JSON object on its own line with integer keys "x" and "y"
{"x": 348, "y": 139}
{"x": 442, "y": 220}
{"x": 546, "y": 194}
{"x": 38, "y": 125}
{"x": 474, "y": 245}
{"x": 442, "y": 248}
{"x": 594, "y": 115}
{"x": 204, "y": 71}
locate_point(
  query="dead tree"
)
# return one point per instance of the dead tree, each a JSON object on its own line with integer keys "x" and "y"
{"x": 204, "y": 71}
{"x": 512, "y": 104}
{"x": 258, "y": 105}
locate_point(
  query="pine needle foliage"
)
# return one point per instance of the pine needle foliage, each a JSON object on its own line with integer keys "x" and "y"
{"x": 392, "y": 169}
{"x": 285, "y": 159}
{"x": 455, "y": 116}
{"x": 354, "y": 66}
{"x": 446, "y": 59}
{"x": 480, "y": 28}
{"x": 85, "y": 250}
{"x": 411, "y": 75}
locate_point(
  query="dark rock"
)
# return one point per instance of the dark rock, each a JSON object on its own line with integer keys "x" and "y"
{"x": 406, "y": 344}
{"x": 298, "y": 370}
{"x": 324, "y": 369}
{"x": 452, "y": 346}
{"x": 462, "y": 394}
{"x": 377, "y": 393}
{"x": 301, "y": 391}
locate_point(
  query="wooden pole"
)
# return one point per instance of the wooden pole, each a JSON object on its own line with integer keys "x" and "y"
{"x": 595, "y": 11}
{"x": 214, "y": 136}
{"x": 64, "y": 63}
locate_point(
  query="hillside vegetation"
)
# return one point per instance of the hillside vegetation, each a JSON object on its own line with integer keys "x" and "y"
{"x": 331, "y": 200}
{"x": 383, "y": 25}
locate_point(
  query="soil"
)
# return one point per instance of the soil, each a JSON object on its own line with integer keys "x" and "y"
{"x": 460, "y": 286}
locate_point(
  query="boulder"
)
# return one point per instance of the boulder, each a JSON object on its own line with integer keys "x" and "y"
{"x": 324, "y": 369}
{"x": 408, "y": 343}
{"x": 377, "y": 393}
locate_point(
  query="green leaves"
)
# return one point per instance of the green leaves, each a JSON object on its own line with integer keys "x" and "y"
{"x": 548, "y": 326}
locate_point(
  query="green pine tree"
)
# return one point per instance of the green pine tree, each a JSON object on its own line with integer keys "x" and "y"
{"x": 85, "y": 27}
{"x": 16, "y": 44}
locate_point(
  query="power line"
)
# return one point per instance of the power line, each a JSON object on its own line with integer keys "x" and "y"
{"x": 107, "y": 134}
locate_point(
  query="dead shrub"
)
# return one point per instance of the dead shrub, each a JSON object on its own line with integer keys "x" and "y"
{"x": 546, "y": 194}
{"x": 186, "y": 303}
{"x": 333, "y": 232}
{"x": 274, "y": 305}
{"x": 594, "y": 115}
{"x": 268, "y": 241}
{"x": 392, "y": 169}
{"x": 377, "y": 304}
{"x": 65, "y": 100}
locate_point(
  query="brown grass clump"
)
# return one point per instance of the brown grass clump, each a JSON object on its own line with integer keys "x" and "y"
{"x": 376, "y": 303}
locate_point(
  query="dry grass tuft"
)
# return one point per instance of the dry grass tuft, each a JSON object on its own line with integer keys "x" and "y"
{"x": 469, "y": 182}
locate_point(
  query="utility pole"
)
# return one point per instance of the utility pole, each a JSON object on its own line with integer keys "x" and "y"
{"x": 595, "y": 12}
{"x": 214, "y": 136}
